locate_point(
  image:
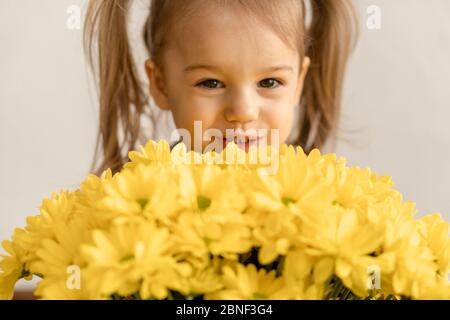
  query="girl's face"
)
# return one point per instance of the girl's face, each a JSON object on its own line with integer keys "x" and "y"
{"x": 229, "y": 73}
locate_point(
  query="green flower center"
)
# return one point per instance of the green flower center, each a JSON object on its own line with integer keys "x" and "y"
{"x": 142, "y": 203}
{"x": 286, "y": 201}
{"x": 208, "y": 241}
{"x": 203, "y": 203}
{"x": 259, "y": 296}
{"x": 336, "y": 203}
{"x": 127, "y": 258}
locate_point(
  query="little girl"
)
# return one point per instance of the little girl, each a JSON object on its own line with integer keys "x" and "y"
{"x": 228, "y": 64}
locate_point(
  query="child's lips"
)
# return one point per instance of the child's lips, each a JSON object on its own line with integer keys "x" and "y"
{"x": 244, "y": 144}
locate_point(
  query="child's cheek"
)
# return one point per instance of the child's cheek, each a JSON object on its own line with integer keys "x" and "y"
{"x": 279, "y": 118}
{"x": 190, "y": 114}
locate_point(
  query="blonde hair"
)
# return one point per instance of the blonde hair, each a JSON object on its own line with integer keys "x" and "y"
{"x": 328, "y": 41}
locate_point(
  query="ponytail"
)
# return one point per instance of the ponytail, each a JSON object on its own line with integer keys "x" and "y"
{"x": 330, "y": 40}
{"x": 122, "y": 99}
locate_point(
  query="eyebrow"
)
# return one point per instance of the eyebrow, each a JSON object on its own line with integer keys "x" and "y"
{"x": 211, "y": 67}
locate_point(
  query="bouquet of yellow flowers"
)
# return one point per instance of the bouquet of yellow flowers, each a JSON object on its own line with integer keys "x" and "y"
{"x": 176, "y": 224}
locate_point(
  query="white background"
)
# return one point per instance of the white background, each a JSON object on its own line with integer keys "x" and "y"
{"x": 396, "y": 100}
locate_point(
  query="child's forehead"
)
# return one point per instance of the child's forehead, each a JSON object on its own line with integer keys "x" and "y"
{"x": 208, "y": 26}
{"x": 225, "y": 37}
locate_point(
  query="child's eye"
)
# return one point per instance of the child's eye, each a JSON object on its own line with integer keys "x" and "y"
{"x": 210, "y": 84}
{"x": 270, "y": 83}
{"x": 216, "y": 84}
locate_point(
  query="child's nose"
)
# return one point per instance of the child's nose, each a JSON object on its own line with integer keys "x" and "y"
{"x": 242, "y": 107}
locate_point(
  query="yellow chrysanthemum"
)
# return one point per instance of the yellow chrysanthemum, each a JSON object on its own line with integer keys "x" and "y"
{"x": 212, "y": 192}
{"x": 203, "y": 281}
{"x": 298, "y": 269}
{"x": 198, "y": 237}
{"x": 246, "y": 282}
{"x": 394, "y": 219}
{"x": 59, "y": 209}
{"x": 57, "y": 256}
{"x": 134, "y": 257}
{"x": 230, "y": 225}
{"x": 342, "y": 246}
{"x": 358, "y": 189}
{"x": 297, "y": 184}
{"x": 91, "y": 191}
{"x": 298, "y": 265}
{"x": 12, "y": 266}
{"x": 415, "y": 274}
{"x": 277, "y": 201}
{"x": 143, "y": 191}
{"x": 435, "y": 231}
{"x": 152, "y": 153}
{"x": 275, "y": 233}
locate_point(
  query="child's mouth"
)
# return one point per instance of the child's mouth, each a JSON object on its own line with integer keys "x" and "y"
{"x": 243, "y": 143}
